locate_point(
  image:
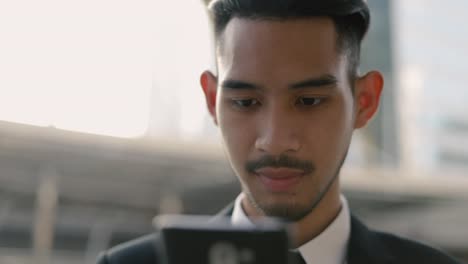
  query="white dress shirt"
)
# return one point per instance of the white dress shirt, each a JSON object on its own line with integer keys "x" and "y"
{"x": 329, "y": 247}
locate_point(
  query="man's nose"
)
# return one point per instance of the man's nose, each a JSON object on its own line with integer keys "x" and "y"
{"x": 278, "y": 133}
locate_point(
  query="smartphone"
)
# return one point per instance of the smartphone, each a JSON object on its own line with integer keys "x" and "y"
{"x": 205, "y": 240}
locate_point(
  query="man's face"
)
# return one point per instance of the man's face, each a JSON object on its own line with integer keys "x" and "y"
{"x": 285, "y": 109}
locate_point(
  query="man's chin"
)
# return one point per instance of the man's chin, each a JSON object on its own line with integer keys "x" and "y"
{"x": 288, "y": 213}
{"x": 279, "y": 206}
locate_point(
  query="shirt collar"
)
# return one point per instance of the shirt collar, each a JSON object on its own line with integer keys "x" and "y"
{"x": 329, "y": 247}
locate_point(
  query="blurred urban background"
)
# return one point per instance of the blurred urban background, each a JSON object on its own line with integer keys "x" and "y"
{"x": 103, "y": 125}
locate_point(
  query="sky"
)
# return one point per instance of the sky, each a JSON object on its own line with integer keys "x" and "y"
{"x": 77, "y": 65}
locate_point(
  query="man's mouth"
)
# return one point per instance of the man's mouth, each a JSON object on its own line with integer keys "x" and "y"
{"x": 279, "y": 179}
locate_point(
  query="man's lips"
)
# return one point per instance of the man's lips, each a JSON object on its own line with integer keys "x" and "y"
{"x": 279, "y": 179}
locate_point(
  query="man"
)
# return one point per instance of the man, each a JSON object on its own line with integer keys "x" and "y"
{"x": 287, "y": 97}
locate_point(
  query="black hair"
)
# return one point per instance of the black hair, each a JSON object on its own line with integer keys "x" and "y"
{"x": 350, "y": 17}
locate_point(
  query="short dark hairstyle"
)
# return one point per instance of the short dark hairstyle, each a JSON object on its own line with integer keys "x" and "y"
{"x": 351, "y": 18}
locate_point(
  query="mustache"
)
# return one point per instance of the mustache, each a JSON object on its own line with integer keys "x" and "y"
{"x": 281, "y": 161}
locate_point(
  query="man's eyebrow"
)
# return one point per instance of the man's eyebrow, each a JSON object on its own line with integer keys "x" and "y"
{"x": 321, "y": 81}
{"x": 238, "y": 85}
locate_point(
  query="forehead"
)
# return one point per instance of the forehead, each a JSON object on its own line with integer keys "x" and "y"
{"x": 259, "y": 47}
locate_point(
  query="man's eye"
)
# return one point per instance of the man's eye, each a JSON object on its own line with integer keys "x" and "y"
{"x": 245, "y": 103}
{"x": 309, "y": 101}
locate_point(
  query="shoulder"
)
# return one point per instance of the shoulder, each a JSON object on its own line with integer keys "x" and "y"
{"x": 141, "y": 250}
{"x": 408, "y": 251}
{"x": 370, "y": 246}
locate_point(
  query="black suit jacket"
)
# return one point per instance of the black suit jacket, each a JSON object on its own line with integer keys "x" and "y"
{"x": 365, "y": 247}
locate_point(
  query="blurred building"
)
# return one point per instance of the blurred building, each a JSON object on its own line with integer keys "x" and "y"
{"x": 183, "y": 50}
{"x": 420, "y": 47}
{"x": 430, "y": 56}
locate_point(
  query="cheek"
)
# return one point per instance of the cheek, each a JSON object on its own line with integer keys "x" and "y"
{"x": 238, "y": 134}
{"x": 330, "y": 132}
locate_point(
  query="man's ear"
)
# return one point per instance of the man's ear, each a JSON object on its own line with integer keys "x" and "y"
{"x": 367, "y": 97}
{"x": 209, "y": 85}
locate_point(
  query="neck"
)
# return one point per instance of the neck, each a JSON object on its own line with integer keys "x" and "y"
{"x": 314, "y": 223}
{"x": 318, "y": 219}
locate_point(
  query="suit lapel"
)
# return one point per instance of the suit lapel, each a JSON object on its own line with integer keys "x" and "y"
{"x": 365, "y": 246}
